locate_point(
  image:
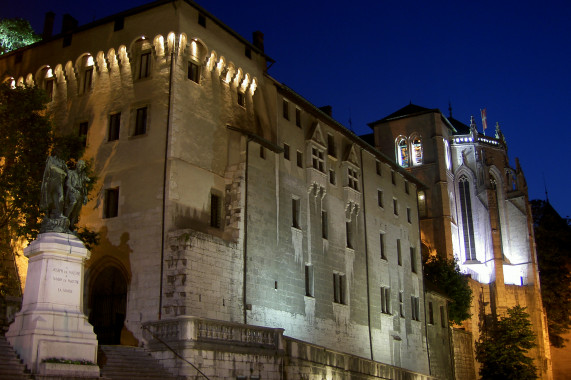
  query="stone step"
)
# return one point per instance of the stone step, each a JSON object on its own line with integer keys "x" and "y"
{"x": 126, "y": 363}
{"x": 11, "y": 368}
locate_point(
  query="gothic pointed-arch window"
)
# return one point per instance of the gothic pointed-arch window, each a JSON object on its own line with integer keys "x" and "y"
{"x": 416, "y": 150}
{"x": 402, "y": 152}
{"x": 467, "y": 222}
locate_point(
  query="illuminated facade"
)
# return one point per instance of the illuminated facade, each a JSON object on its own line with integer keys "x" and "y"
{"x": 225, "y": 202}
{"x": 475, "y": 209}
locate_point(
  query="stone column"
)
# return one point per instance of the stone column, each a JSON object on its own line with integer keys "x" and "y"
{"x": 51, "y": 323}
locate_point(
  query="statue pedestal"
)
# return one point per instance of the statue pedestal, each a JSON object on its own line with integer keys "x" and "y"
{"x": 51, "y": 323}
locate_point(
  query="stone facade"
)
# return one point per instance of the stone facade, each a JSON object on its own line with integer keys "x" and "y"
{"x": 226, "y": 201}
{"x": 475, "y": 209}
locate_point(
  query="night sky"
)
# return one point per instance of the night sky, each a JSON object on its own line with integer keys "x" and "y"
{"x": 369, "y": 58}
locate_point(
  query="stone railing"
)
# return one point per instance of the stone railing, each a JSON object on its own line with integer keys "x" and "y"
{"x": 201, "y": 330}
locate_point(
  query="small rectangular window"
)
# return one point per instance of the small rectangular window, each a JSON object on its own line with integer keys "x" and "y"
{"x": 50, "y": 88}
{"x": 385, "y": 300}
{"x": 352, "y": 179}
{"x": 331, "y": 145}
{"x": 201, "y": 20}
{"x": 111, "y": 204}
{"x": 395, "y": 206}
{"x": 215, "y": 210}
{"x": 399, "y": 255}
{"x": 295, "y": 213}
{"x": 442, "y": 317}
{"x": 332, "y": 178}
{"x": 299, "y": 159}
{"x": 382, "y": 246}
{"x": 412, "y": 260}
{"x": 309, "y": 280}
{"x": 339, "y": 288}
{"x": 194, "y": 72}
{"x": 317, "y": 159}
{"x": 401, "y": 306}
{"x": 298, "y": 117}
{"x": 114, "y": 125}
{"x": 324, "y": 226}
{"x": 415, "y": 308}
{"x": 241, "y": 99}
{"x": 380, "y": 198}
{"x": 285, "y": 109}
{"x": 349, "y": 234}
{"x": 145, "y": 65}
{"x": 87, "y": 79}
{"x": 286, "y": 152}
{"x": 406, "y": 187}
{"x": 408, "y": 215}
{"x": 378, "y": 167}
{"x": 141, "y": 122}
{"x": 82, "y": 131}
{"x": 393, "y": 178}
{"x": 430, "y": 314}
{"x": 262, "y": 152}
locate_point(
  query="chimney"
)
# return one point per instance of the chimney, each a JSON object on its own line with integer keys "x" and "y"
{"x": 48, "y": 25}
{"x": 258, "y": 40}
{"x": 68, "y": 24}
{"x": 328, "y": 110}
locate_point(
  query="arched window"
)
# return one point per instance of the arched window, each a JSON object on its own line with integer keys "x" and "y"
{"x": 467, "y": 223}
{"x": 86, "y": 66}
{"x": 447, "y": 157}
{"x": 416, "y": 147}
{"x": 402, "y": 152}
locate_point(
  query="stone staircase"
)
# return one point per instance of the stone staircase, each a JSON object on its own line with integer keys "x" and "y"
{"x": 11, "y": 368}
{"x": 129, "y": 363}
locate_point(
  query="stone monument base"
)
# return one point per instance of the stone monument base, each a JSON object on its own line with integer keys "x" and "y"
{"x": 51, "y": 324}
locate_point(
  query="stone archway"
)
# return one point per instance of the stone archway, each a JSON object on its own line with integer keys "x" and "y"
{"x": 108, "y": 305}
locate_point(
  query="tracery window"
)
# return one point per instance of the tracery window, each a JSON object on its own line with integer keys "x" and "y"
{"x": 467, "y": 222}
{"x": 416, "y": 146}
{"x": 402, "y": 152}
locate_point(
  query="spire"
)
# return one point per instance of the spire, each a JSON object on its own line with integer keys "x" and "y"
{"x": 472, "y": 122}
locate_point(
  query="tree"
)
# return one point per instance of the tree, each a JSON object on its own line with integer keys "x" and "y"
{"x": 503, "y": 345}
{"x": 446, "y": 275}
{"x": 553, "y": 242}
{"x": 16, "y": 33}
{"x": 26, "y": 140}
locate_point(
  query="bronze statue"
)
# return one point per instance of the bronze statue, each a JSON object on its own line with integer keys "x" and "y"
{"x": 64, "y": 192}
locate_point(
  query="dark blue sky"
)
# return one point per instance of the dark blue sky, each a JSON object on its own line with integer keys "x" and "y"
{"x": 370, "y": 58}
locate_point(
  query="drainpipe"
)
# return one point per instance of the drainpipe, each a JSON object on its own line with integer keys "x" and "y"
{"x": 366, "y": 259}
{"x": 165, "y": 172}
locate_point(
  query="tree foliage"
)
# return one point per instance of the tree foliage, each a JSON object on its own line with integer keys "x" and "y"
{"x": 445, "y": 274}
{"x": 503, "y": 346}
{"x": 16, "y": 33}
{"x": 553, "y": 242}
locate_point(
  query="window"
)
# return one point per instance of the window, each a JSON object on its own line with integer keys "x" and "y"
{"x": 332, "y": 179}
{"x": 408, "y": 215}
{"x": 339, "y": 288}
{"x": 298, "y": 117}
{"x": 324, "y": 226}
{"x": 145, "y": 65}
{"x": 402, "y": 152}
{"x": 352, "y": 179}
{"x": 87, "y": 80}
{"x": 421, "y": 204}
{"x": 201, "y": 20}
{"x": 399, "y": 255}
{"x": 395, "y": 206}
{"x": 317, "y": 160}
{"x": 141, "y": 122}
{"x": 467, "y": 223}
{"x": 406, "y": 188}
{"x": 349, "y": 234}
{"x": 380, "y": 198}
{"x": 285, "y": 109}
{"x": 111, "y": 204}
{"x": 331, "y": 145}
{"x": 447, "y": 158}
{"x": 393, "y": 178}
{"x": 82, "y": 131}
{"x": 416, "y": 151}
{"x": 378, "y": 167}
{"x": 430, "y": 314}
{"x": 194, "y": 72}
{"x": 415, "y": 308}
{"x": 241, "y": 99}
{"x": 382, "y": 246}
{"x": 442, "y": 317}
{"x": 309, "y": 280}
{"x": 262, "y": 152}
{"x": 299, "y": 159}
{"x": 401, "y": 305}
{"x": 385, "y": 300}
{"x": 295, "y": 212}
{"x": 412, "y": 260}
{"x": 286, "y": 152}
{"x": 215, "y": 210}
{"x": 114, "y": 125}
{"x": 50, "y": 88}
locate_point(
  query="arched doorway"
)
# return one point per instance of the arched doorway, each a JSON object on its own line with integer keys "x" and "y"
{"x": 108, "y": 305}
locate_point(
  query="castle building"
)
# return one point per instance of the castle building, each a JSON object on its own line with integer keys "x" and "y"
{"x": 238, "y": 223}
{"x": 475, "y": 209}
